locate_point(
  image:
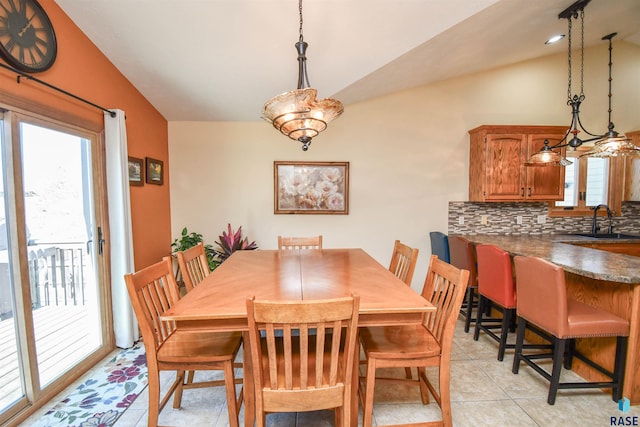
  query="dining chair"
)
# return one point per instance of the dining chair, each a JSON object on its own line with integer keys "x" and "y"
{"x": 193, "y": 265}
{"x": 421, "y": 345}
{"x": 544, "y": 307}
{"x": 440, "y": 245}
{"x": 403, "y": 261}
{"x": 295, "y": 243}
{"x": 194, "y": 268}
{"x": 463, "y": 255}
{"x": 153, "y": 290}
{"x": 303, "y": 355}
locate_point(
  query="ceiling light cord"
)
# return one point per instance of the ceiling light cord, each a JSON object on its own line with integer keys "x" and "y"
{"x": 301, "y": 47}
{"x": 611, "y": 133}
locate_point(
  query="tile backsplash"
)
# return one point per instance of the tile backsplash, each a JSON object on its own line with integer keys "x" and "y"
{"x": 531, "y": 218}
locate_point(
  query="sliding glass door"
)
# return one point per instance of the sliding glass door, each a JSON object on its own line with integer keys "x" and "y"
{"x": 53, "y": 301}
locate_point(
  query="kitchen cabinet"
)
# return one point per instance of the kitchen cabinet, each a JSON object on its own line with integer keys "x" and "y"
{"x": 632, "y": 172}
{"x": 497, "y": 170}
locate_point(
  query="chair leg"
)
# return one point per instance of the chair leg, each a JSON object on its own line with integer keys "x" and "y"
{"x": 230, "y": 386}
{"x": 445, "y": 394}
{"x": 507, "y": 314}
{"x": 519, "y": 342}
{"x": 558, "y": 356}
{"x": 479, "y": 313}
{"x": 469, "y": 309}
{"x": 154, "y": 397}
{"x": 367, "y": 407}
{"x": 619, "y": 367}
{"x": 568, "y": 354}
{"x": 177, "y": 396}
{"x": 407, "y": 373}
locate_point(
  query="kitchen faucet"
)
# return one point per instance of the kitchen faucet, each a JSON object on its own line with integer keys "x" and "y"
{"x": 594, "y": 226}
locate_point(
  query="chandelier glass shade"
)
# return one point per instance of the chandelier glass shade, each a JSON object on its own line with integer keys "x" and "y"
{"x": 297, "y": 113}
{"x": 613, "y": 147}
{"x": 547, "y": 157}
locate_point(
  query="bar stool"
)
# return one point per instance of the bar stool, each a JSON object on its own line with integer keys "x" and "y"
{"x": 440, "y": 245}
{"x": 542, "y": 302}
{"x": 463, "y": 255}
{"x": 496, "y": 286}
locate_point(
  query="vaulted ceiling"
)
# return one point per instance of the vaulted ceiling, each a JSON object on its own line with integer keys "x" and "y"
{"x": 220, "y": 60}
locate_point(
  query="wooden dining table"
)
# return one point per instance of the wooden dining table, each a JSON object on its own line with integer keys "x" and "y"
{"x": 219, "y": 301}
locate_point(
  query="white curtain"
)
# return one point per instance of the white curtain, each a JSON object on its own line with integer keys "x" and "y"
{"x": 120, "y": 239}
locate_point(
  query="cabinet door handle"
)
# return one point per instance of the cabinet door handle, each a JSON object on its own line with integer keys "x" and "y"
{"x": 522, "y": 191}
{"x": 529, "y": 191}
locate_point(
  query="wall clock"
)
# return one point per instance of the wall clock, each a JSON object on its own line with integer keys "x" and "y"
{"x": 27, "y": 39}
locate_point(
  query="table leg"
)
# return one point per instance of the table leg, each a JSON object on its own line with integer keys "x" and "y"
{"x": 247, "y": 381}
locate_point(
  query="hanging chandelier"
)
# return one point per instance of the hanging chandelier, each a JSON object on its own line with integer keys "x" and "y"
{"x": 297, "y": 113}
{"x": 613, "y": 144}
{"x": 606, "y": 145}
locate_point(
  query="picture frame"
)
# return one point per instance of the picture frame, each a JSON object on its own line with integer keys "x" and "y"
{"x": 311, "y": 187}
{"x": 136, "y": 171}
{"x": 155, "y": 171}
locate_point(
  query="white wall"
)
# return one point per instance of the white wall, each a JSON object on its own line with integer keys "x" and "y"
{"x": 408, "y": 154}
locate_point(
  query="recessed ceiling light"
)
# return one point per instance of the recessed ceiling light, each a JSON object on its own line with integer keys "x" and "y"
{"x": 554, "y": 39}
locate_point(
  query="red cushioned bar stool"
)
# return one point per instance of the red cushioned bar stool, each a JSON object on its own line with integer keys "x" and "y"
{"x": 462, "y": 254}
{"x": 497, "y": 289}
{"x": 542, "y": 304}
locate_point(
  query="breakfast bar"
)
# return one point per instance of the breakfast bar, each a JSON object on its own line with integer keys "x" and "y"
{"x": 601, "y": 273}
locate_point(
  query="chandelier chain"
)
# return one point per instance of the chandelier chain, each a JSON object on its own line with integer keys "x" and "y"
{"x": 300, "y": 12}
{"x": 569, "y": 63}
{"x": 581, "y": 54}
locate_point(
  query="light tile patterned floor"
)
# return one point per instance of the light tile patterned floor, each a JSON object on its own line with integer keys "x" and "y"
{"x": 484, "y": 393}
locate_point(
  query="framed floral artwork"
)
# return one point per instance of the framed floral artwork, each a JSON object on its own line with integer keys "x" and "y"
{"x": 311, "y": 187}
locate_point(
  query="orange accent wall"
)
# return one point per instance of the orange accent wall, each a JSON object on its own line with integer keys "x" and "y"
{"x": 83, "y": 70}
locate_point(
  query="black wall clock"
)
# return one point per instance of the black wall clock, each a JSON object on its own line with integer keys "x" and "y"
{"x": 27, "y": 39}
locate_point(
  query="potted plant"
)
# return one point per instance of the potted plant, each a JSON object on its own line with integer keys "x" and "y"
{"x": 232, "y": 241}
{"x": 188, "y": 240}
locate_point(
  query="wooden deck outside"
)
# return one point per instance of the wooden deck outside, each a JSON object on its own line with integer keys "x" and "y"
{"x": 61, "y": 340}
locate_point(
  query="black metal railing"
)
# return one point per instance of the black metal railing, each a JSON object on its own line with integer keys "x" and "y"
{"x": 57, "y": 274}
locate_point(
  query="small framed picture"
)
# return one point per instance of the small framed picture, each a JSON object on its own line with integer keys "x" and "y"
{"x": 136, "y": 171}
{"x": 155, "y": 171}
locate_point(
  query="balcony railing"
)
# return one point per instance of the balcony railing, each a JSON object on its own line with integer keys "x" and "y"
{"x": 57, "y": 276}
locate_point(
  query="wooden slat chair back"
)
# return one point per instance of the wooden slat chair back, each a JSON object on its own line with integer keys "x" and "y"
{"x": 153, "y": 290}
{"x": 303, "y": 354}
{"x": 403, "y": 261}
{"x": 193, "y": 265}
{"x": 297, "y": 243}
{"x": 421, "y": 346}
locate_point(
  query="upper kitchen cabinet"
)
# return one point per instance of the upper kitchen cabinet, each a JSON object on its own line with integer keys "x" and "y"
{"x": 497, "y": 171}
{"x": 632, "y": 172}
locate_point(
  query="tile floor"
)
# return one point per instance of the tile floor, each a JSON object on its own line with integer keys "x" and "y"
{"x": 484, "y": 392}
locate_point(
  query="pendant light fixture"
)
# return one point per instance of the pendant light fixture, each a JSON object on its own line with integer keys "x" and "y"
{"x": 297, "y": 113}
{"x": 613, "y": 144}
{"x": 546, "y": 156}
{"x": 609, "y": 144}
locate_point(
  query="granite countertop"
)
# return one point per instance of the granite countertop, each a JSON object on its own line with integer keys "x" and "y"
{"x": 560, "y": 249}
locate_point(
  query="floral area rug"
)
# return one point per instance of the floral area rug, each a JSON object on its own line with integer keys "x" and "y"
{"x": 101, "y": 399}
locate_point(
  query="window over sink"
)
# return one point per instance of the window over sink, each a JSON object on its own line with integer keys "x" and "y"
{"x": 588, "y": 182}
